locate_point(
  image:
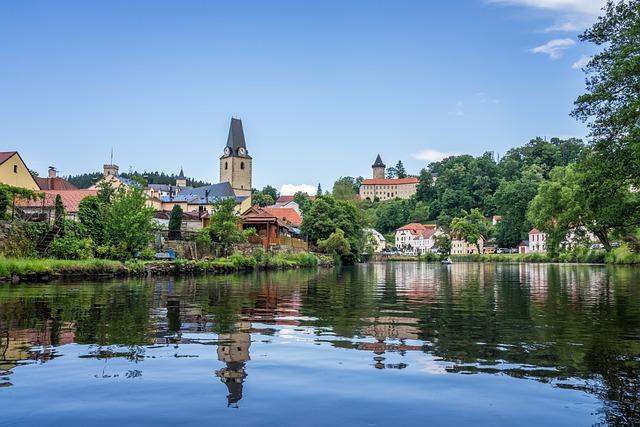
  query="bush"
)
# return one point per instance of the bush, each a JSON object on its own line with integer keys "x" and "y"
{"x": 147, "y": 254}
{"x": 623, "y": 255}
{"x": 70, "y": 247}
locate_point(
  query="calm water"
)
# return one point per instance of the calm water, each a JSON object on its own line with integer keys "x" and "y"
{"x": 373, "y": 345}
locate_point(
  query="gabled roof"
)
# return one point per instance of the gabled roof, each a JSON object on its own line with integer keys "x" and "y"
{"x": 378, "y": 163}
{"x": 535, "y": 231}
{"x": 70, "y": 199}
{"x": 394, "y": 181}
{"x": 416, "y": 226}
{"x": 287, "y": 214}
{"x": 6, "y": 155}
{"x": 56, "y": 183}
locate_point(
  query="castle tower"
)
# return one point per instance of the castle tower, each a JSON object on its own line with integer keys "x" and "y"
{"x": 378, "y": 168}
{"x": 181, "y": 180}
{"x": 235, "y": 163}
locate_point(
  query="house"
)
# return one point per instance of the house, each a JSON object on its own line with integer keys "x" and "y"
{"x": 200, "y": 199}
{"x": 496, "y": 219}
{"x": 523, "y": 247}
{"x": 537, "y": 241}
{"x": 54, "y": 182}
{"x": 191, "y": 221}
{"x": 381, "y": 188}
{"x": 44, "y": 208}
{"x": 271, "y": 230}
{"x": 282, "y": 200}
{"x": 14, "y": 171}
{"x": 419, "y": 238}
{"x": 287, "y": 214}
{"x": 462, "y": 247}
{"x": 377, "y": 239}
{"x": 165, "y": 190}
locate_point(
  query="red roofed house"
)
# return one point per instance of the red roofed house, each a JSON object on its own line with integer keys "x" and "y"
{"x": 381, "y": 188}
{"x": 273, "y": 229}
{"x": 46, "y": 206}
{"x": 419, "y": 238}
{"x": 54, "y": 182}
{"x": 287, "y": 214}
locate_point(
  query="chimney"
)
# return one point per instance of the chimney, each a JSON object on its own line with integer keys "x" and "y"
{"x": 52, "y": 172}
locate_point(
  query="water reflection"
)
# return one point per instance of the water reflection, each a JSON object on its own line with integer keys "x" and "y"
{"x": 572, "y": 327}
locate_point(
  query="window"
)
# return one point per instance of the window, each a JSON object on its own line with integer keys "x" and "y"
{"x": 15, "y": 168}
{"x": 226, "y": 165}
{"x": 241, "y": 165}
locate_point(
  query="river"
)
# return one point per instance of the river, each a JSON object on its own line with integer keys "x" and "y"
{"x": 395, "y": 344}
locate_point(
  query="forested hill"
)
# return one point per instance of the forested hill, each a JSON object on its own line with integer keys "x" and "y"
{"x": 86, "y": 180}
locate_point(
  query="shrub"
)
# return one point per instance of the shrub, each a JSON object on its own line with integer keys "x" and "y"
{"x": 70, "y": 247}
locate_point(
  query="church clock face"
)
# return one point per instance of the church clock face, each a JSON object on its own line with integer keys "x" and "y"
{"x": 227, "y": 151}
{"x": 242, "y": 151}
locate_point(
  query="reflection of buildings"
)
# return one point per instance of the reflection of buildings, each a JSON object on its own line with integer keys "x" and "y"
{"x": 233, "y": 350}
{"x": 394, "y": 328}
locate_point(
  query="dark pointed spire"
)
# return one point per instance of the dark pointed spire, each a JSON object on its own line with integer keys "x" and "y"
{"x": 181, "y": 173}
{"x": 378, "y": 163}
{"x": 235, "y": 140}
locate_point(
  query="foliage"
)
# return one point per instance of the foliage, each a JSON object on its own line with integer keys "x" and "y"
{"x": 319, "y": 190}
{"x": 397, "y": 171}
{"x": 270, "y": 191}
{"x": 29, "y": 266}
{"x": 91, "y": 215}
{"x": 4, "y": 203}
{"x": 175, "y": 222}
{"x": 59, "y": 214}
{"x": 266, "y": 197}
{"x": 443, "y": 245}
{"x": 86, "y": 180}
{"x": 326, "y": 215}
{"x": 106, "y": 192}
{"x": 303, "y": 200}
{"x": 71, "y": 247}
{"x": 345, "y": 188}
{"x": 223, "y": 225}
{"x": 129, "y": 221}
{"x": 335, "y": 244}
{"x": 612, "y": 102}
{"x": 470, "y": 227}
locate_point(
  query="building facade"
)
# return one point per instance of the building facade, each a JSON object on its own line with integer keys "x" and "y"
{"x": 14, "y": 171}
{"x": 381, "y": 188}
{"x": 418, "y": 238}
{"x": 236, "y": 163}
{"x": 462, "y": 247}
{"x": 537, "y": 241}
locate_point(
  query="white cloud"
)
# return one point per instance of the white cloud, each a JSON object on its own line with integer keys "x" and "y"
{"x": 291, "y": 189}
{"x": 554, "y": 48}
{"x": 581, "y": 63}
{"x": 486, "y": 99}
{"x": 584, "y": 7}
{"x": 431, "y": 155}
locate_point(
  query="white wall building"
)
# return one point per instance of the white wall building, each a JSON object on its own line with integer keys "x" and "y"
{"x": 418, "y": 238}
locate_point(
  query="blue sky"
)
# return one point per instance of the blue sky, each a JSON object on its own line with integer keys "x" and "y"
{"x": 321, "y": 87}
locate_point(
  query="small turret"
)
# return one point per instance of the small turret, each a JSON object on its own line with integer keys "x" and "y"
{"x": 378, "y": 168}
{"x": 181, "y": 180}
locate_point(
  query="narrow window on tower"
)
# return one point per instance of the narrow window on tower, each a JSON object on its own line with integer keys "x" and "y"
{"x": 226, "y": 165}
{"x": 241, "y": 165}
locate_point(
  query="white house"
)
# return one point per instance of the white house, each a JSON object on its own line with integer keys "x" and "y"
{"x": 419, "y": 238}
{"x": 537, "y": 241}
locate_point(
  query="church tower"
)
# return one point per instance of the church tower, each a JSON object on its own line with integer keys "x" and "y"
{"x": 235, "y": 163}
{"x": 181, "y": 180}
{"x": 378, "y": 168}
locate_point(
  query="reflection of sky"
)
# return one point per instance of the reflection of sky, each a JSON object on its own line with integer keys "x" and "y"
{"x": 409, "y": 359}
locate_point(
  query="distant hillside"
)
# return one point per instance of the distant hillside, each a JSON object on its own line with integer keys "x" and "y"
{"x": 86, "y": 180}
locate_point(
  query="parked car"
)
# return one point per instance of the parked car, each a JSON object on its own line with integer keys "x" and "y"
{"x": 615, "y": 244}
{"x": 597, "y": 246}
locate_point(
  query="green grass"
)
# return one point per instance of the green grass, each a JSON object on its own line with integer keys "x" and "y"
{"x": 622, "y": 255}
{"x": 575, "y": 256}
{"x": 32, "y": 266}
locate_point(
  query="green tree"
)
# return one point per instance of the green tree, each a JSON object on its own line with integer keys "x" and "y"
{"x": 470, "y": 226}
{"x": 612, "y": 102}
{"x": 261, "y": 198}
{"x": 345, "y": 189}
{"x": 175, "y": 222}
{"x": 91, "y": 216}
{"x": 336, "y": 244}
{"x": 512, "y": 200}
{"x": 400, "y": 170}
{"x": 59, "y": 213}
{"x": 129, "y": 221}
{"x": 443, "y": 245}
{"x": 106, "y": 191}
{"x": 319, "y": 190}
{"x": 303, "y": 200}
{"x": 270, "y": 191}
{"x": 223, "y": 226}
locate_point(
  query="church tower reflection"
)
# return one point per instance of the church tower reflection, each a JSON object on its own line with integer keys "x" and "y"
{"x": 233, "y": 350}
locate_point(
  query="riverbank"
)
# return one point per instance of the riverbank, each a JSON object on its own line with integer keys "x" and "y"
{"x": 45, "y": 270}
{"x": 620, "y": 256}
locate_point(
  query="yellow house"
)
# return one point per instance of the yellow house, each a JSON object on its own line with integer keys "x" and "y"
{"x": 13, "y": 171}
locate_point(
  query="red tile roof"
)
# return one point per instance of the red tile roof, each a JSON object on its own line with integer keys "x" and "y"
{"x": 56, "y": 183}
{"x": 535, "y": 231}
{"x": 6, "y": 155}
{"x": 287, "y": 199}
{"x": 396, "y": 181}
{"x": 287, "y": 214}
{"x": 70, "y": 199}
{"x": 415, "y": 226}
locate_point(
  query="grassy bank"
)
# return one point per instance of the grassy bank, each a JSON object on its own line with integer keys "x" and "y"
{"x": 621, "y": 255}
{"x": 32, "y": 269}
